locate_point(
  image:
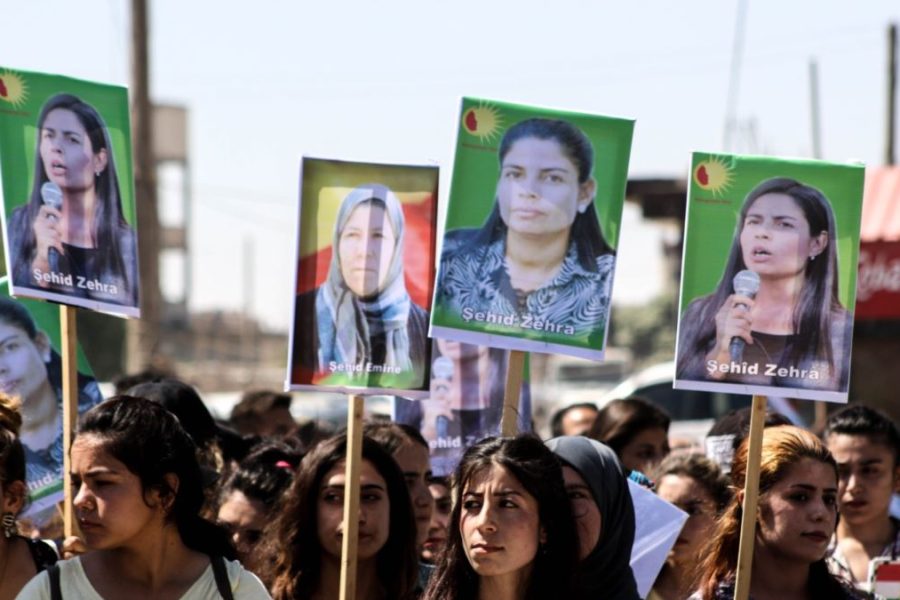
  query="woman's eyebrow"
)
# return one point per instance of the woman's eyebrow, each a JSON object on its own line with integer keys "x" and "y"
{"x": 100, "y": 471}
{"x": 368, "y": 487}
{"x": 577, "y": 486}
{"x": 9, "y": 338}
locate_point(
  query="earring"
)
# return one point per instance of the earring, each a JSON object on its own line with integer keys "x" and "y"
{"x": 812, "y": 257}
{"x": 8, "y": 524}
{"x": 582, "y": 208}
{"x": 97, "y": 173}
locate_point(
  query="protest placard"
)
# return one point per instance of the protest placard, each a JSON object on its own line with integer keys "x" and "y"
{"x": 769, "y": 276}
{"x": 364, "y": 272}
{"x": 68, "y": 192}
{"x": 532, "y": 225}
{"x": 466, "y": 402}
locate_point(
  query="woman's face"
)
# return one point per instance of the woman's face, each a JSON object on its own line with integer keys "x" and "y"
{"x": 23, "y": 369}
{"x": 499, "y": 524}
{"x": 690, "y": 496}
{"x": 775, "y": 238}
{"x": 374, "y": 511}
{"x": 645, "y": 450}
{"x": 440, "y": 522}
{"x": 111, "y": 507}
{"x": 67, "y": 153}
{"x": 413, "y": 460}
{"x": 538, "y": 191}
{"x": 245, "y": 518}
{"x": 366, "y": 248}
{"x": 797, "y": 516}
{"x": 585, "y": 510}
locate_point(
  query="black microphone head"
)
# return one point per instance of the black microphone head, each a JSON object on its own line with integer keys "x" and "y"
{"x": 746, "y": 283}
{"x": 52, "y": 195}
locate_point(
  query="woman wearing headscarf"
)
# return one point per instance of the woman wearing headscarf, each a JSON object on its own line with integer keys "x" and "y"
{"x": 604, "y": 517}
{"x": 361, "y": 319}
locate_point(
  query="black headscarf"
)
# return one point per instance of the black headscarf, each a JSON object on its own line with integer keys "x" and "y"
{"x": 606, "y": 572}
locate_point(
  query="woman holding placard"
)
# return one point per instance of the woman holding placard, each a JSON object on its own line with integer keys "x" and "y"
{"x": 796, "y": 518}
{"x": 541, "y": 256}
{"x": 302, "y": 548}
{"x": 784, "y": 325}
{"x": 361, "y": 319}
{"x": 512, "y": 535}
{"x": 71, "y": 237}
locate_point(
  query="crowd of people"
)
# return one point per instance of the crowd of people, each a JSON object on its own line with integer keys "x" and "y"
{"x": 173, "y": 504}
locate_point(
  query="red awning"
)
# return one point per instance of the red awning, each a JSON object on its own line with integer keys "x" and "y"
{"x": 881, "y": 205}
{"x": 878, "y": 283}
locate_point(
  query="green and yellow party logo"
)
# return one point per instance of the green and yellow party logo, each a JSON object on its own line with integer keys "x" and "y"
{"x": 483, "y": 122}
{"x": 13, "y": 89}
{"x": 713, "y": 175}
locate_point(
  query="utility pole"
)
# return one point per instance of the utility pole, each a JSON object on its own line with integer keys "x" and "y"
{"x": 814, "y": 109}
{"x": 143, "y": 334}
{"x": 889, "y": 150}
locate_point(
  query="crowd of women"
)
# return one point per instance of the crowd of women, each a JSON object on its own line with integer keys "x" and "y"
{"x": 170, "y": 504}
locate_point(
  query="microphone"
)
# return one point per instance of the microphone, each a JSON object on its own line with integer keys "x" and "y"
{"x": 52, "y": 196}
{"x": 746, "y": 283}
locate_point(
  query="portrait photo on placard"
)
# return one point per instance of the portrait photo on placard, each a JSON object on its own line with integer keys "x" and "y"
{"x": 31, "y": 373}
{"x": 465, "y": 402}
{"x": 68, "y": 192}
{"x": 364, "y": 273}
{"x": 533, "y": 223}
{"x": 768, "y": 283}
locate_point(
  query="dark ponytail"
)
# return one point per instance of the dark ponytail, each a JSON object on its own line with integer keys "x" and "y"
{"x": 150, "y": 441}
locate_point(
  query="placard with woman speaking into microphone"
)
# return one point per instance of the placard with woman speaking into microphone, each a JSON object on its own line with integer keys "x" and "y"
{"x": 68, "y": 192}
{"x": 532, "y": 229}
{"x": 769, "y": 276}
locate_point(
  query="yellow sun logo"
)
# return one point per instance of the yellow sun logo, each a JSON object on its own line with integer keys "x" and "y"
{"x": 713, "y": 175}
{"x": 13, "y": 89}
{"x": 483, "y": 122}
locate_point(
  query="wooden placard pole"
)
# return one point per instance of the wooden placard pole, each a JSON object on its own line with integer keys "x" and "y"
{"x": 68, "y": 345}
{"x": 351, "y": 497}
{"x": 751, "y": 499}
{"x": 515, "y": 370}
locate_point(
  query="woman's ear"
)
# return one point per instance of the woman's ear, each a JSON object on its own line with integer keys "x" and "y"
{"x": 818, "y": 244}
{"x": 586, "y": 193}
{"x": 13, "y": 500}
{"x": 42, "y": 343}
{"x": 101, "y": 159}
{"x": 164, "y": 495}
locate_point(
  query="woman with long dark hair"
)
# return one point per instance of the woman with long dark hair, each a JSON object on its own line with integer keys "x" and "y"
{"x": 511, "y": 535}
{"x": 795, "y": 330}
{"x": 32, "y": 371}
{"x": 137, "y": 500}
{"x": 541, "y": 251}
{"x": 795, "y": 521}
{"x": 71, "y": 237}
{"x": 301, "y": 551}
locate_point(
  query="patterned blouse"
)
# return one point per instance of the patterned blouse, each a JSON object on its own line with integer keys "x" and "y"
{"x": 475, "y": 279}
{"x": 840, "y": 566}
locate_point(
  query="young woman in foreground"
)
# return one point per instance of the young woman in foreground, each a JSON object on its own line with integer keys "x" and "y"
{"x": 512, "y": 536}
{"x": 302, "y": 549}
{"x": 796, "y": 518}
{"x": 137, "y": 500}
